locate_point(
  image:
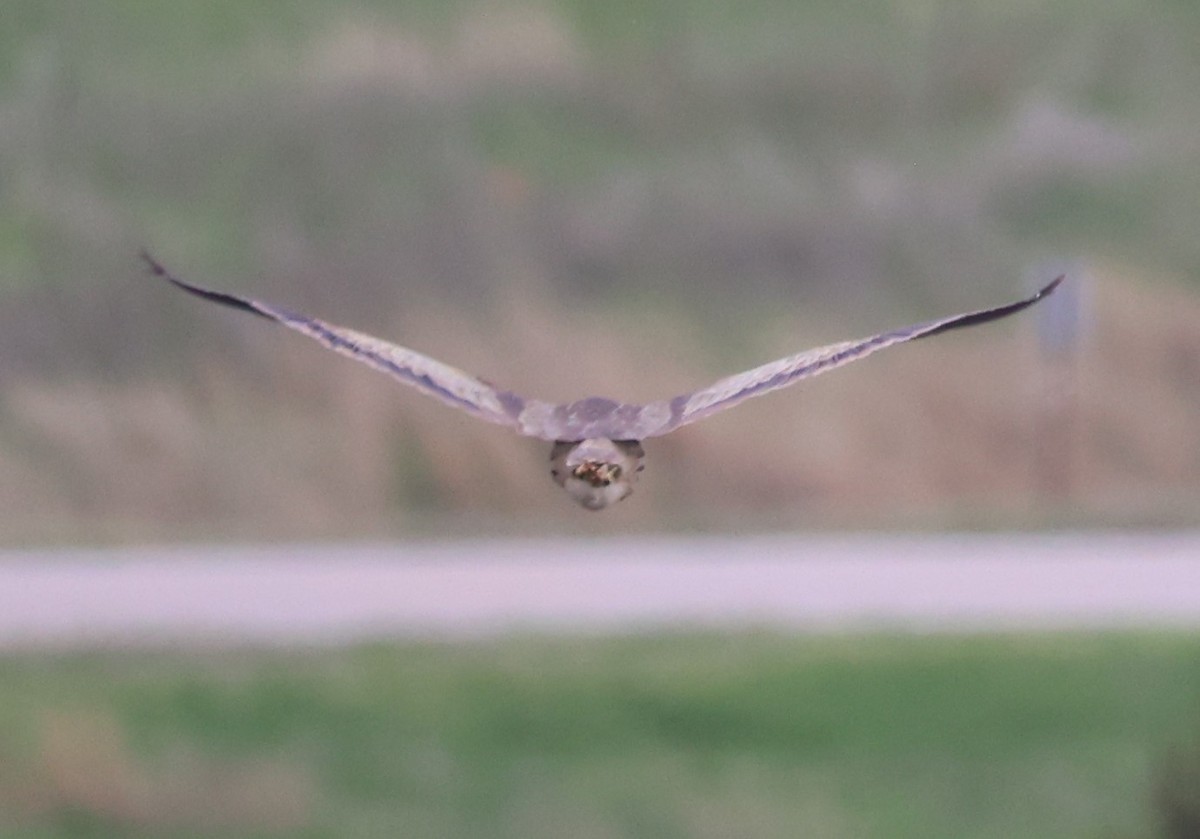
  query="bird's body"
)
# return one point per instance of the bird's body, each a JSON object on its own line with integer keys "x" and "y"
{"x": 597, "y": 453}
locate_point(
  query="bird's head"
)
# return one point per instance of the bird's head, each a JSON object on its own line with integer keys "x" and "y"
{"x": 596, "y": 472}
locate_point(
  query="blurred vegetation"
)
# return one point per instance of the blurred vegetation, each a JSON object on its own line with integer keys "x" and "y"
{"x": 664, "y": 736}
{"x": 1177, "y": 792}
{"x": 517, "y": 185}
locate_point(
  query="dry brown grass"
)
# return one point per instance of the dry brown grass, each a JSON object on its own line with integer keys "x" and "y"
{"x": 491, "y": 154}
{"x": 83, "y": 772}
{"x": 928, "y": 433}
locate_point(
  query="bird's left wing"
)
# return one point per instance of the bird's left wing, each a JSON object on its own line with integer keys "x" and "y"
{"x": 661, "y": 417}
{"x": 428, "y": 375}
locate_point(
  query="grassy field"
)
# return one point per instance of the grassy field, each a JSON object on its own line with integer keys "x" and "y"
{"x": 750, "y": 735}
{"x": 551, "y": 192}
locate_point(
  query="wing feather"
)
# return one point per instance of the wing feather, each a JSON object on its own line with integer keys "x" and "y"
{"x": 731, "y": 390}
{"x": 594, "y": 416}
{"x": 428, "y": 375}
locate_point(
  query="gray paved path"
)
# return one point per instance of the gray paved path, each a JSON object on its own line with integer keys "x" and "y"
{"x": 333, "y": 594}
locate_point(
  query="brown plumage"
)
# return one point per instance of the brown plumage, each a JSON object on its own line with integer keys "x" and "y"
{"x": 597, "y": 454}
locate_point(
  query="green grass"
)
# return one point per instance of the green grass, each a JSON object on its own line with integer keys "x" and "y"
{"x": 512, "y": 186}
{"x": 212, "y": 114}
{"x": 664, "y": 736}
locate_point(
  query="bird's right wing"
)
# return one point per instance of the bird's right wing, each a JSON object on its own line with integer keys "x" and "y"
{"x": 428, "y": 375}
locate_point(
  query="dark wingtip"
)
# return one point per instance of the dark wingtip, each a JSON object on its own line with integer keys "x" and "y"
{"x": 155, "y": 266}
{"x": 159, "y": 270}
{"x": 986, "y": 315}
{"x": 1049, "y": 288}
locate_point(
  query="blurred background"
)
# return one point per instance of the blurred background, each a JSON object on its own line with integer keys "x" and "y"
{"x": 627, "y": 199}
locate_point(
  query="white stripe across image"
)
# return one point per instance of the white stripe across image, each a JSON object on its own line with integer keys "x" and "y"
{"x": 338, "y": 594}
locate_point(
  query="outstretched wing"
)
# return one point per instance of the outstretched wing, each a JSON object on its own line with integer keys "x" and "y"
{"x": 594, "y": 416}
{"x": 441, "y": 381}
{"x": 658, "y": 418}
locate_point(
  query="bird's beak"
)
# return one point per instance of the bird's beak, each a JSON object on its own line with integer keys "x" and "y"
{"x": 596, "y": 474}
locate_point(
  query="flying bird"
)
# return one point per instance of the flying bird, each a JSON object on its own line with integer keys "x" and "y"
{"x": 597, "y": 451}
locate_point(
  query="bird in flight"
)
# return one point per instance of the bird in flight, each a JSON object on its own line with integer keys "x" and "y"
{"x": 597, "y": 451}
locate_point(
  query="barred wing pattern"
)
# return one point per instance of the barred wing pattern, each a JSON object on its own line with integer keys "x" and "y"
{"x": 731, "y": 390}
{"x": 593, "y": 417}
{"x": 428, "y": 375}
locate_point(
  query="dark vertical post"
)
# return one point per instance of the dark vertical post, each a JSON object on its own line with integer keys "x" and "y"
{"x": 1060, "y": 324}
